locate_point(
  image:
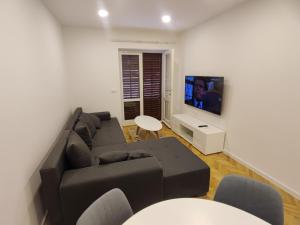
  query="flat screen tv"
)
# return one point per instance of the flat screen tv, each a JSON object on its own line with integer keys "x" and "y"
{"x": 204, "y": 93}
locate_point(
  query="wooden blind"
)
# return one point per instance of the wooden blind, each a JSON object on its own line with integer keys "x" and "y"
{"x": 131, "y": 110}
{"x": 130, "y": 73}
{"x": 152, "y": 67}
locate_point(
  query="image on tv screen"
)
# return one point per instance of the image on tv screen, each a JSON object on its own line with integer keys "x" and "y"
{"x": 204, "y": 93}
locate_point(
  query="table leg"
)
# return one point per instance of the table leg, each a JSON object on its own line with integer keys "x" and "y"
{"x": 157, "y": 134}
{"x": 137, "y": 130}
{"x": 148, "y": 133}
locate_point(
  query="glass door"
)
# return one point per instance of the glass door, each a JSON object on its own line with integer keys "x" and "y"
{"x": 141, "y": 84}
{"x": 131, "y": 73}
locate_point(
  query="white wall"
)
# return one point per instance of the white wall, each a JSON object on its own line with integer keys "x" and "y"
{"x": 255, "y": 46}
{"x": 93, "y": 63}
{"x": 34, "y": 104}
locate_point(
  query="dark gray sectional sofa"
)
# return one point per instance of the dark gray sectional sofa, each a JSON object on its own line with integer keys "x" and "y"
{"x": 172, "y": 171}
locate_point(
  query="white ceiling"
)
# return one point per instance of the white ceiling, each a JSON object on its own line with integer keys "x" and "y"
{"x": 138, "y": 13}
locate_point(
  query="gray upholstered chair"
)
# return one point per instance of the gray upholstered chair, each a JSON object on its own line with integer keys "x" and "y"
{"x": 112, "y": 208}
{"x": 251, "y": 196}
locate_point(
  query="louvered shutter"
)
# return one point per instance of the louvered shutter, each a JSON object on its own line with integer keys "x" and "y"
{"x": 131, "y": 85}
{"x": 152, "y": 76}
{"x": 130, "y": 73}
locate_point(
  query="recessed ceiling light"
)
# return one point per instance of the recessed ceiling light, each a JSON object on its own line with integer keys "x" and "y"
{"x": 103, "y": 13}
{"x": 166, "y": 19}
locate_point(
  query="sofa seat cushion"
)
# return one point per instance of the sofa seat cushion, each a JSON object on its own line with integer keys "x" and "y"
{"x": 109, "y": 134}
{"x": 185, "y": 175}
{"x": 98, "y": 150}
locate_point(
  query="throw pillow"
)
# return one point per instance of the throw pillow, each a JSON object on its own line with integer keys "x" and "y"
{"x": 83, "y": 131}
{"x": 113, "y": 156}
{"x": 138, "y": 154}
{"x": 85, "y": 117}
{"x": 96, "y": 121}
{"x": 78, "y": 153}
{"x": 119, "y": 156}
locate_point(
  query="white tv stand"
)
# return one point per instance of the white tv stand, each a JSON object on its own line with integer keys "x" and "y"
{"x": 208, "y": 139}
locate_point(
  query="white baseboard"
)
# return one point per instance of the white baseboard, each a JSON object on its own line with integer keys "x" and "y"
{"x": 44, "y": 218}
{"x": 263, "y": 174}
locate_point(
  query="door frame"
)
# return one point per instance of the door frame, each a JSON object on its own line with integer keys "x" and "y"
{"x": 164, "y": 74}
{"x": 124, "y": 51}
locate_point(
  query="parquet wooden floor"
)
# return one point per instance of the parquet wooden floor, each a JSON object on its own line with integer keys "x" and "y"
{"x": 221, "y": 165}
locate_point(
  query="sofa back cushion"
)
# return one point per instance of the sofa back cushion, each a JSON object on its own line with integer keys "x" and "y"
{"x": 85, "y": 117}
{"x": 73, "y": 119}
{"x": 78, "y": 153}
{"x": 51, "y": 174}
{"x": 96, "y": 121}
{"x": 83, "y": 131}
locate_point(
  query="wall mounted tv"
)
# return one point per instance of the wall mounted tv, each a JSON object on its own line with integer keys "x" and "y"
{"x": 204, "y": 93}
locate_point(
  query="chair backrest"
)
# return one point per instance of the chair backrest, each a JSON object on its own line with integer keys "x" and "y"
{"x": 112, "y": 208}
{"x": 251, "y": 196}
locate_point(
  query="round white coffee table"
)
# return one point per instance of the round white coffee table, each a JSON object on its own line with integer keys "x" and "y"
{"x": 192, "y": 211}
{"x": 148, "y": 123}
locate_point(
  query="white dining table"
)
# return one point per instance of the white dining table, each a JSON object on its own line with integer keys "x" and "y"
{"x": 193, "y": 211}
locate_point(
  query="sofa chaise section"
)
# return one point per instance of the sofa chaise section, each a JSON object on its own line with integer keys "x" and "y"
{"x": 184, "y": 174}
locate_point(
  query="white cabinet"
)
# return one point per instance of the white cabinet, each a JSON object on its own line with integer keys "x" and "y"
{"x": 208, "y": 139}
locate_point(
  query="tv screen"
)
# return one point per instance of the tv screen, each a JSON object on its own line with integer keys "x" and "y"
{"x": 204, "y": 93}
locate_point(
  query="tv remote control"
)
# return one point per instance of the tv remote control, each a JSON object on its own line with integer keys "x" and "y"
{"x": 203, "y": 126}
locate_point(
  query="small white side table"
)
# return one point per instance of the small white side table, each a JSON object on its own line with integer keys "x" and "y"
{"x": 148, "y": 123}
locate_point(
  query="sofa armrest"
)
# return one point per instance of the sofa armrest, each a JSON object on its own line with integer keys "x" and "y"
{"x": 102, "y": 115}
{"x": 140, "y": 179}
